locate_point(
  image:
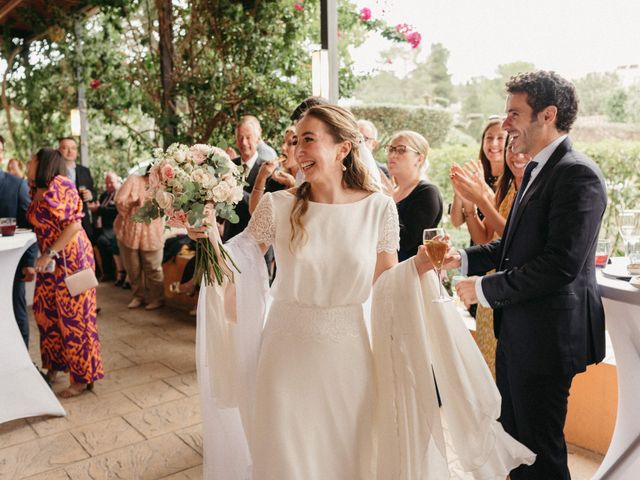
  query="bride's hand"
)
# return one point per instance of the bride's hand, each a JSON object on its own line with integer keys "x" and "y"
{"x": 421, "y": 260}
{"x": 198, "y": 233}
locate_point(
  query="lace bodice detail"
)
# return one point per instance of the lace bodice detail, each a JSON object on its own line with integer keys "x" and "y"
{"x": 262, "y": 225}
{"x": 336, "y": 264}
{"x": 389, "y": 239}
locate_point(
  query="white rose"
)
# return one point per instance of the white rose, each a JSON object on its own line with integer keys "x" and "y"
{"x": 236, "y": 195}
{"x": 221, "y": 192}
{"x": 164, "y": 199}
{"x": 199, "y": 176}
{"x": 179, "y": 156}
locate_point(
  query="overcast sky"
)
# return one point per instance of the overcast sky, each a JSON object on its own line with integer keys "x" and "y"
{"x": 572, "y": 37}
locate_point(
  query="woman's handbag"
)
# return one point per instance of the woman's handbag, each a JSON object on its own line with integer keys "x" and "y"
{"x": 79, "y": 281}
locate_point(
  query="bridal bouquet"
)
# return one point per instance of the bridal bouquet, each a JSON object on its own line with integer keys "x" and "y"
{"x": 190, "y": 187}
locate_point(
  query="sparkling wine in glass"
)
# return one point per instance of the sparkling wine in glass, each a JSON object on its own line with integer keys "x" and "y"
{"x": 437, "y": 248}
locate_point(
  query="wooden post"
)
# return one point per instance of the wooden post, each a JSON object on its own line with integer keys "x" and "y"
{"x": 82, "y": 101}
{"x": 329, "y": 40}
{"x": 169, "y": 118}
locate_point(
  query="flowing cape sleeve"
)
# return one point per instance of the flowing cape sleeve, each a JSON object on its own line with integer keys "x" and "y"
{"x": 230, "y": 320}
{"x": 415, "y": 340}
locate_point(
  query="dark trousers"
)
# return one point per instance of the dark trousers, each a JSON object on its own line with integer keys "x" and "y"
{"x": 20, "y": 309}
{"x": 534, "y": 410}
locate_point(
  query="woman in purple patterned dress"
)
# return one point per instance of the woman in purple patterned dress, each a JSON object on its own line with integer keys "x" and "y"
{"x": 68, "y": 332}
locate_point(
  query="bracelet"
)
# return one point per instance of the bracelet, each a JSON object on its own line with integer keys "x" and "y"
{"x": 51, "y": 253}
{"x": 259, "y": 189}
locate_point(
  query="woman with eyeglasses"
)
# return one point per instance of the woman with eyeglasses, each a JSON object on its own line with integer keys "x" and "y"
{"x": 419, "y": 202}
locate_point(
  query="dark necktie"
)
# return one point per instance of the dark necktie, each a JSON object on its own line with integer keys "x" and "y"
{"x": 526, "y": 178}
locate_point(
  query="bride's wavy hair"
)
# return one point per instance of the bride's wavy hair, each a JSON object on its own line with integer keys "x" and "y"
{"x": 341, "y": 125}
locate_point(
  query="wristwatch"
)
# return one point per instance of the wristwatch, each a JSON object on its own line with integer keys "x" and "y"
{"x": 51, "y": 253}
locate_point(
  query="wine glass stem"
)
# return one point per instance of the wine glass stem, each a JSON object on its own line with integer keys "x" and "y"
{"x": 440, "y": 282}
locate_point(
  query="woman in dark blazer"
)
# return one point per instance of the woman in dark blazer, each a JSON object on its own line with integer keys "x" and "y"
{"x": 419, "y": 202}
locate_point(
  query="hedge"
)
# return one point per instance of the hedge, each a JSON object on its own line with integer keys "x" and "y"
{"x": 619, "y": 161}
{"x": 433, "y": 123}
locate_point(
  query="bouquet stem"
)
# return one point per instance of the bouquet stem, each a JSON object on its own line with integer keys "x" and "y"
{"x": 212, "y": 262}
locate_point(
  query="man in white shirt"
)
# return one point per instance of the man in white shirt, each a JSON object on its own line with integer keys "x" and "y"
{"x": 248, "y": 137}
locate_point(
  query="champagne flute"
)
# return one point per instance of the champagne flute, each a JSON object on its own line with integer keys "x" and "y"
{"x": 437, "y": 248}
{"x": 629, "y": 225}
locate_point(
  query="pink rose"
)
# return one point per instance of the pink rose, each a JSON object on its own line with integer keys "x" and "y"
{"x": 166, "y": 171}
{"x": 177, "y": 219}
{"x": 298, "y": 7}
{"x": 198, "y": 153}
{"x": 365, "y": 14}
{"x": 414, "y": 39}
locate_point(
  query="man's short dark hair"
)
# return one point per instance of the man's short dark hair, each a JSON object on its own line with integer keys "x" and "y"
{"x": 50, "y": 164}
{"x": 305, "y": 105}
{"x": 67, "y": 138}
{"x": 545, "y": 88}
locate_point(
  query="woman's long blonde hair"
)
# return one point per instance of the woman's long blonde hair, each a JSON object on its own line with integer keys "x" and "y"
{"x": 342, "y": 126}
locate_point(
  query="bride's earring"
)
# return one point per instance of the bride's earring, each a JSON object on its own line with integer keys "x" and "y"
{"x": 344, "y": 167}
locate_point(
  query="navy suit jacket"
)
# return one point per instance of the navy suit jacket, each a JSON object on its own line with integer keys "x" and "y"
{"x": 548, "y": 314}
{"x": 14, "y": 202}
{"x": 84, "y": 179}
{"x": 242, "y": 208}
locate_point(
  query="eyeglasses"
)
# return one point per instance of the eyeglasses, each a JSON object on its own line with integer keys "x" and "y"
{"x": 399, "y": 149}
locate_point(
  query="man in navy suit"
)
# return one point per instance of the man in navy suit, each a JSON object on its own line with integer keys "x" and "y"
{"x": 14, "y": 201}
{"x": 548, "y": 315}
{"x": 81, "y": 176}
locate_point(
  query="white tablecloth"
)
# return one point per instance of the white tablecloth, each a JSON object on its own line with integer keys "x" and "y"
{"x": 23, "y": 392}
{"x": 622, "y": 312}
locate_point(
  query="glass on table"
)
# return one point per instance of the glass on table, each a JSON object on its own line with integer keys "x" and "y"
{"x": 7, "y": 226}
{"x": 603, "y": 250}
{"x": 629, "y": 226}
{"x": 437, "y": 247}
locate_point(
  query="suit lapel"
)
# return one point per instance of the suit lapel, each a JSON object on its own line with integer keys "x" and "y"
{"x": 540, "y": 179}
{"x": 253, "y": 173}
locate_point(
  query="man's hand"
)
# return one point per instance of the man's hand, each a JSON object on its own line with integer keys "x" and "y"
{"x": 466, "y": 289}
{"x": 452, "y": 259}
{"x": 28, "y": 274}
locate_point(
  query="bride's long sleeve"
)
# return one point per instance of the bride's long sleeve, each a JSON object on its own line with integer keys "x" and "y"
{"x": 413, "y": 337}
{"x": 230, "y": 321}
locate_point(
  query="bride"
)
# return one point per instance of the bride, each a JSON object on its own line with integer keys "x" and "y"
{"x": 307, "y": 395}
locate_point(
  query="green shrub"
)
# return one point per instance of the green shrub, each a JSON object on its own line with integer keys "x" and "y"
{"x": 619, "y": 161}
{"x": 433, "y": 123}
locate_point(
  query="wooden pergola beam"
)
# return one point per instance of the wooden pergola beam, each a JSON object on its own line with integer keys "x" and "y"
{"x": 9, "y": 7}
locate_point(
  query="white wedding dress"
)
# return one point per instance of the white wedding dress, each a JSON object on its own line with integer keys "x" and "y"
{"x": 302, "y": 398}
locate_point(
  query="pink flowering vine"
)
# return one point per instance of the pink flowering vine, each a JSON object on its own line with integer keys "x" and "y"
{"x": 414, "y": 39}
{"x": 365, "y": 14}
{"x": 298, "y": 7}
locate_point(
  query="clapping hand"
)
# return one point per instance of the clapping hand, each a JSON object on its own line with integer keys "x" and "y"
{"x": 469, "y": 186}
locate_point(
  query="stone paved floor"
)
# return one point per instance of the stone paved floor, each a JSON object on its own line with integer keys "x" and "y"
{"x": 143, "y": 420}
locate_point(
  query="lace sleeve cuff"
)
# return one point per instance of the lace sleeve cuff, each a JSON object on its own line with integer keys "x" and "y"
{"x": 262, "y": 224}
{"x": 389, "y": 238}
